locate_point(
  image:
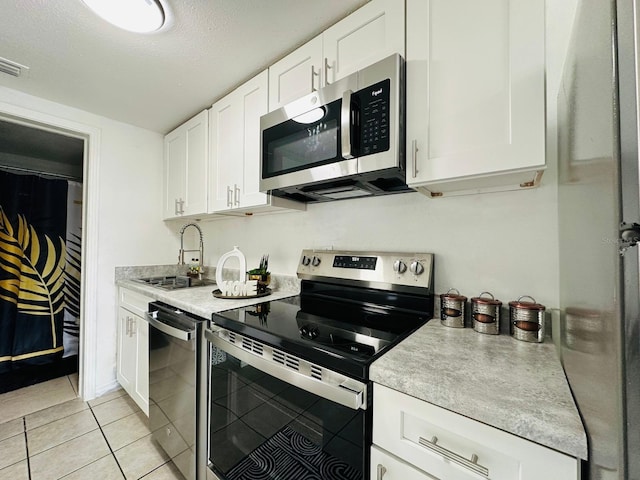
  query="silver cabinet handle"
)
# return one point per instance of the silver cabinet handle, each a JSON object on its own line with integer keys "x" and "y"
{"x": 345, "y": 125}
{"x": 175, "y": 207}
{"x": 128, "y": 328}
{"x": 326, "y": 71}
{"x": 133, "y": 326}
{"x": 313, "y": 79}
{"x": 380, "y": 471}
{"x": 180, "y": 206}
{"x": 472, "y": 464}
{"x": 236, "y": 195}
{"x": 414, "y": 157}
{"x": 229, "y": 196}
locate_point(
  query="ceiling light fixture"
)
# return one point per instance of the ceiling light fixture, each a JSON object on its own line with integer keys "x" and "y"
{"x": 140, "y": 16}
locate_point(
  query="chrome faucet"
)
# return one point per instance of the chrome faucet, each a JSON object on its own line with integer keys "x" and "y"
{"x": 182, "y": 250}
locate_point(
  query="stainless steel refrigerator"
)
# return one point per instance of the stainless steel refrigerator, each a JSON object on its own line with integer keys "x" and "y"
{"x": 598, "y": 203}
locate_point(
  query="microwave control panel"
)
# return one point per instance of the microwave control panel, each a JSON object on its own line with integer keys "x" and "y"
{"x": 372, "y": 118}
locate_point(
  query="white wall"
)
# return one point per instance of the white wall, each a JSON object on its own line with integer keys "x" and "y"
{"x": 130, "y": 230}
{"x": 505, "y": 243}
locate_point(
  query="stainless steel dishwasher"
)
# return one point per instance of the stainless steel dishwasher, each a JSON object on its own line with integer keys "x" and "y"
{"x": 177, "y": 381}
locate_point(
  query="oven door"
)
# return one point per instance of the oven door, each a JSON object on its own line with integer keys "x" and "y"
{"x": 273, "y": 415}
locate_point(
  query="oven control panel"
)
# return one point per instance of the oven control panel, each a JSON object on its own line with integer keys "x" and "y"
{"x": 376, "y": 269}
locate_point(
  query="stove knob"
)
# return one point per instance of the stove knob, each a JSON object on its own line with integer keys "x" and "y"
{"x": 309, "y": 332}
{"x": 316, "y": 261}
{"x": 416, "y": 268}
{"x": 399, "y": 266}
{"x": 305, "y": 260}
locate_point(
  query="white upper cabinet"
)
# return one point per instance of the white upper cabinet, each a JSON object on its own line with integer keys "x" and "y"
{"x": 369, "y": 34}
{"x": 475, "y": 95}
{"x": 185, "y": 168}
{"x": 235, "y": 151}
{"x": 296, "y": 75}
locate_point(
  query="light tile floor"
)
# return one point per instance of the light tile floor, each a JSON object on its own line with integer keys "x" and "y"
{"x": 47, "y": 433}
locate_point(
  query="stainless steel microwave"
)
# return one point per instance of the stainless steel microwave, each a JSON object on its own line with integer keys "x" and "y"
{"x": 345, "y": 140}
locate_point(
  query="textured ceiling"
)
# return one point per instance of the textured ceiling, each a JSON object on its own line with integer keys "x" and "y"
{"x": 155, "y": 81}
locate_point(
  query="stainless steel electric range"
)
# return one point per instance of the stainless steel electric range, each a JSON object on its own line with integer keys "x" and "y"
{"x": 289, "y": 390}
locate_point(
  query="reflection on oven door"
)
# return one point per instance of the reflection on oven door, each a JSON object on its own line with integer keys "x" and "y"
{"x": 263, "y": 427}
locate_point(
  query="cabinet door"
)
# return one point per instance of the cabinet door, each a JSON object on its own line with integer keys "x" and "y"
{"x": 127, "y": 350}
{"x": 387, "y": 467}
{"x": 197, "y": 145}
{"x": 296, "y": 75}
{"x": 225, "y": 170}
{"x": 476, "y": 84}
{"x": 253, "y": 97}
{"x": 174, "y": 181}
{"x": 369, "y": 34}
{"x": 185, "y": 168}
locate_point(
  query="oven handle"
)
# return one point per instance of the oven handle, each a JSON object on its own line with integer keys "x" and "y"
{"x": 352, "y": 395}
{"x": 185, "y": 335}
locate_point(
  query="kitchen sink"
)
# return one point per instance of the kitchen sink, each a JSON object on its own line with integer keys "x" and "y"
{"x": 175, "y": 282}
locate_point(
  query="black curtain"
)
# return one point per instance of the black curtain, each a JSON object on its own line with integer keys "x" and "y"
{"x": 33, "y": 219}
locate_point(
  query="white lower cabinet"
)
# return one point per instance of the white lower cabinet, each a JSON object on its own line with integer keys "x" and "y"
{"x": 385, "y": 466}
{"x": 414, "y": 439}
{"x": 133, "y": 347}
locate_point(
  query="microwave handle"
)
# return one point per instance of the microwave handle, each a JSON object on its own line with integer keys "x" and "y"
{"x": 345, "y": 125}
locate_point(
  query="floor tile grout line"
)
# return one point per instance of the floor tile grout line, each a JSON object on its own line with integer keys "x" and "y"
{"x": 108, "y": 444}
{"x": 26, "y": 446}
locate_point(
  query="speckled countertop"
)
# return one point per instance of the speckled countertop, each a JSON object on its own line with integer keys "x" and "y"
{"x": 515, "y": 386}
{"x": 199, "y": 300}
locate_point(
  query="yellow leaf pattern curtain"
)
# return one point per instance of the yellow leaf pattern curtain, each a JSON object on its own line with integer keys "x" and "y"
{"x": 33, "y": 226}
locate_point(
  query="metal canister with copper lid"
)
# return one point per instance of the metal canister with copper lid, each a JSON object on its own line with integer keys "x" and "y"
{"x": 485, "y": 313}
{"x": 527, "y": 319}
{"x": 452, "y": 308}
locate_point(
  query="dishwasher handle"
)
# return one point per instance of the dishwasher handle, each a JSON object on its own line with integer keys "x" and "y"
{"x": 170, "y": 330}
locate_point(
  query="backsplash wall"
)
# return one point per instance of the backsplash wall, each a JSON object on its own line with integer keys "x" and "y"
{"x": 505, "y": 243}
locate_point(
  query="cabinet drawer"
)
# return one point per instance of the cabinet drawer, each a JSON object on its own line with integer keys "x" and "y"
{"x": 387, "y": 467}
{"x": 134, "y": 302}
{"x": 447, "y": 445}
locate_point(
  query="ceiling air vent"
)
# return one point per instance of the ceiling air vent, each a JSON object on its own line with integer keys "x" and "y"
{"x": 12, "y": 68}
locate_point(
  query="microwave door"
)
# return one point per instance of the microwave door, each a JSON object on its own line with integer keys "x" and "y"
{"x": 303, "y": 149}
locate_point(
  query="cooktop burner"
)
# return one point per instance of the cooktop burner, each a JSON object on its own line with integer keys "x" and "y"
{"x": 337, "y": 322}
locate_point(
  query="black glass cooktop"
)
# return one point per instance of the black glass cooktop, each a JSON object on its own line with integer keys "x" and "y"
{"x": 338, "y": 327}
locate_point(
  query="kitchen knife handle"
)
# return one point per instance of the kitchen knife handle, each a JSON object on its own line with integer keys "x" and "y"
{"x": 345, "y": 125}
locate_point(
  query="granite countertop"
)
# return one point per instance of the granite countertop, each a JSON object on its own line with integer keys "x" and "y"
{"x": 199, "y": 300}
{"x": 515, "y": 386}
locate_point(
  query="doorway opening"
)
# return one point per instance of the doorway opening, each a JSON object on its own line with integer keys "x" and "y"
{"x": 41, "y": 220}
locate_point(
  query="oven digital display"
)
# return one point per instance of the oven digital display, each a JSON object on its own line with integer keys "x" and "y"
{"x": 359, "y": 263}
